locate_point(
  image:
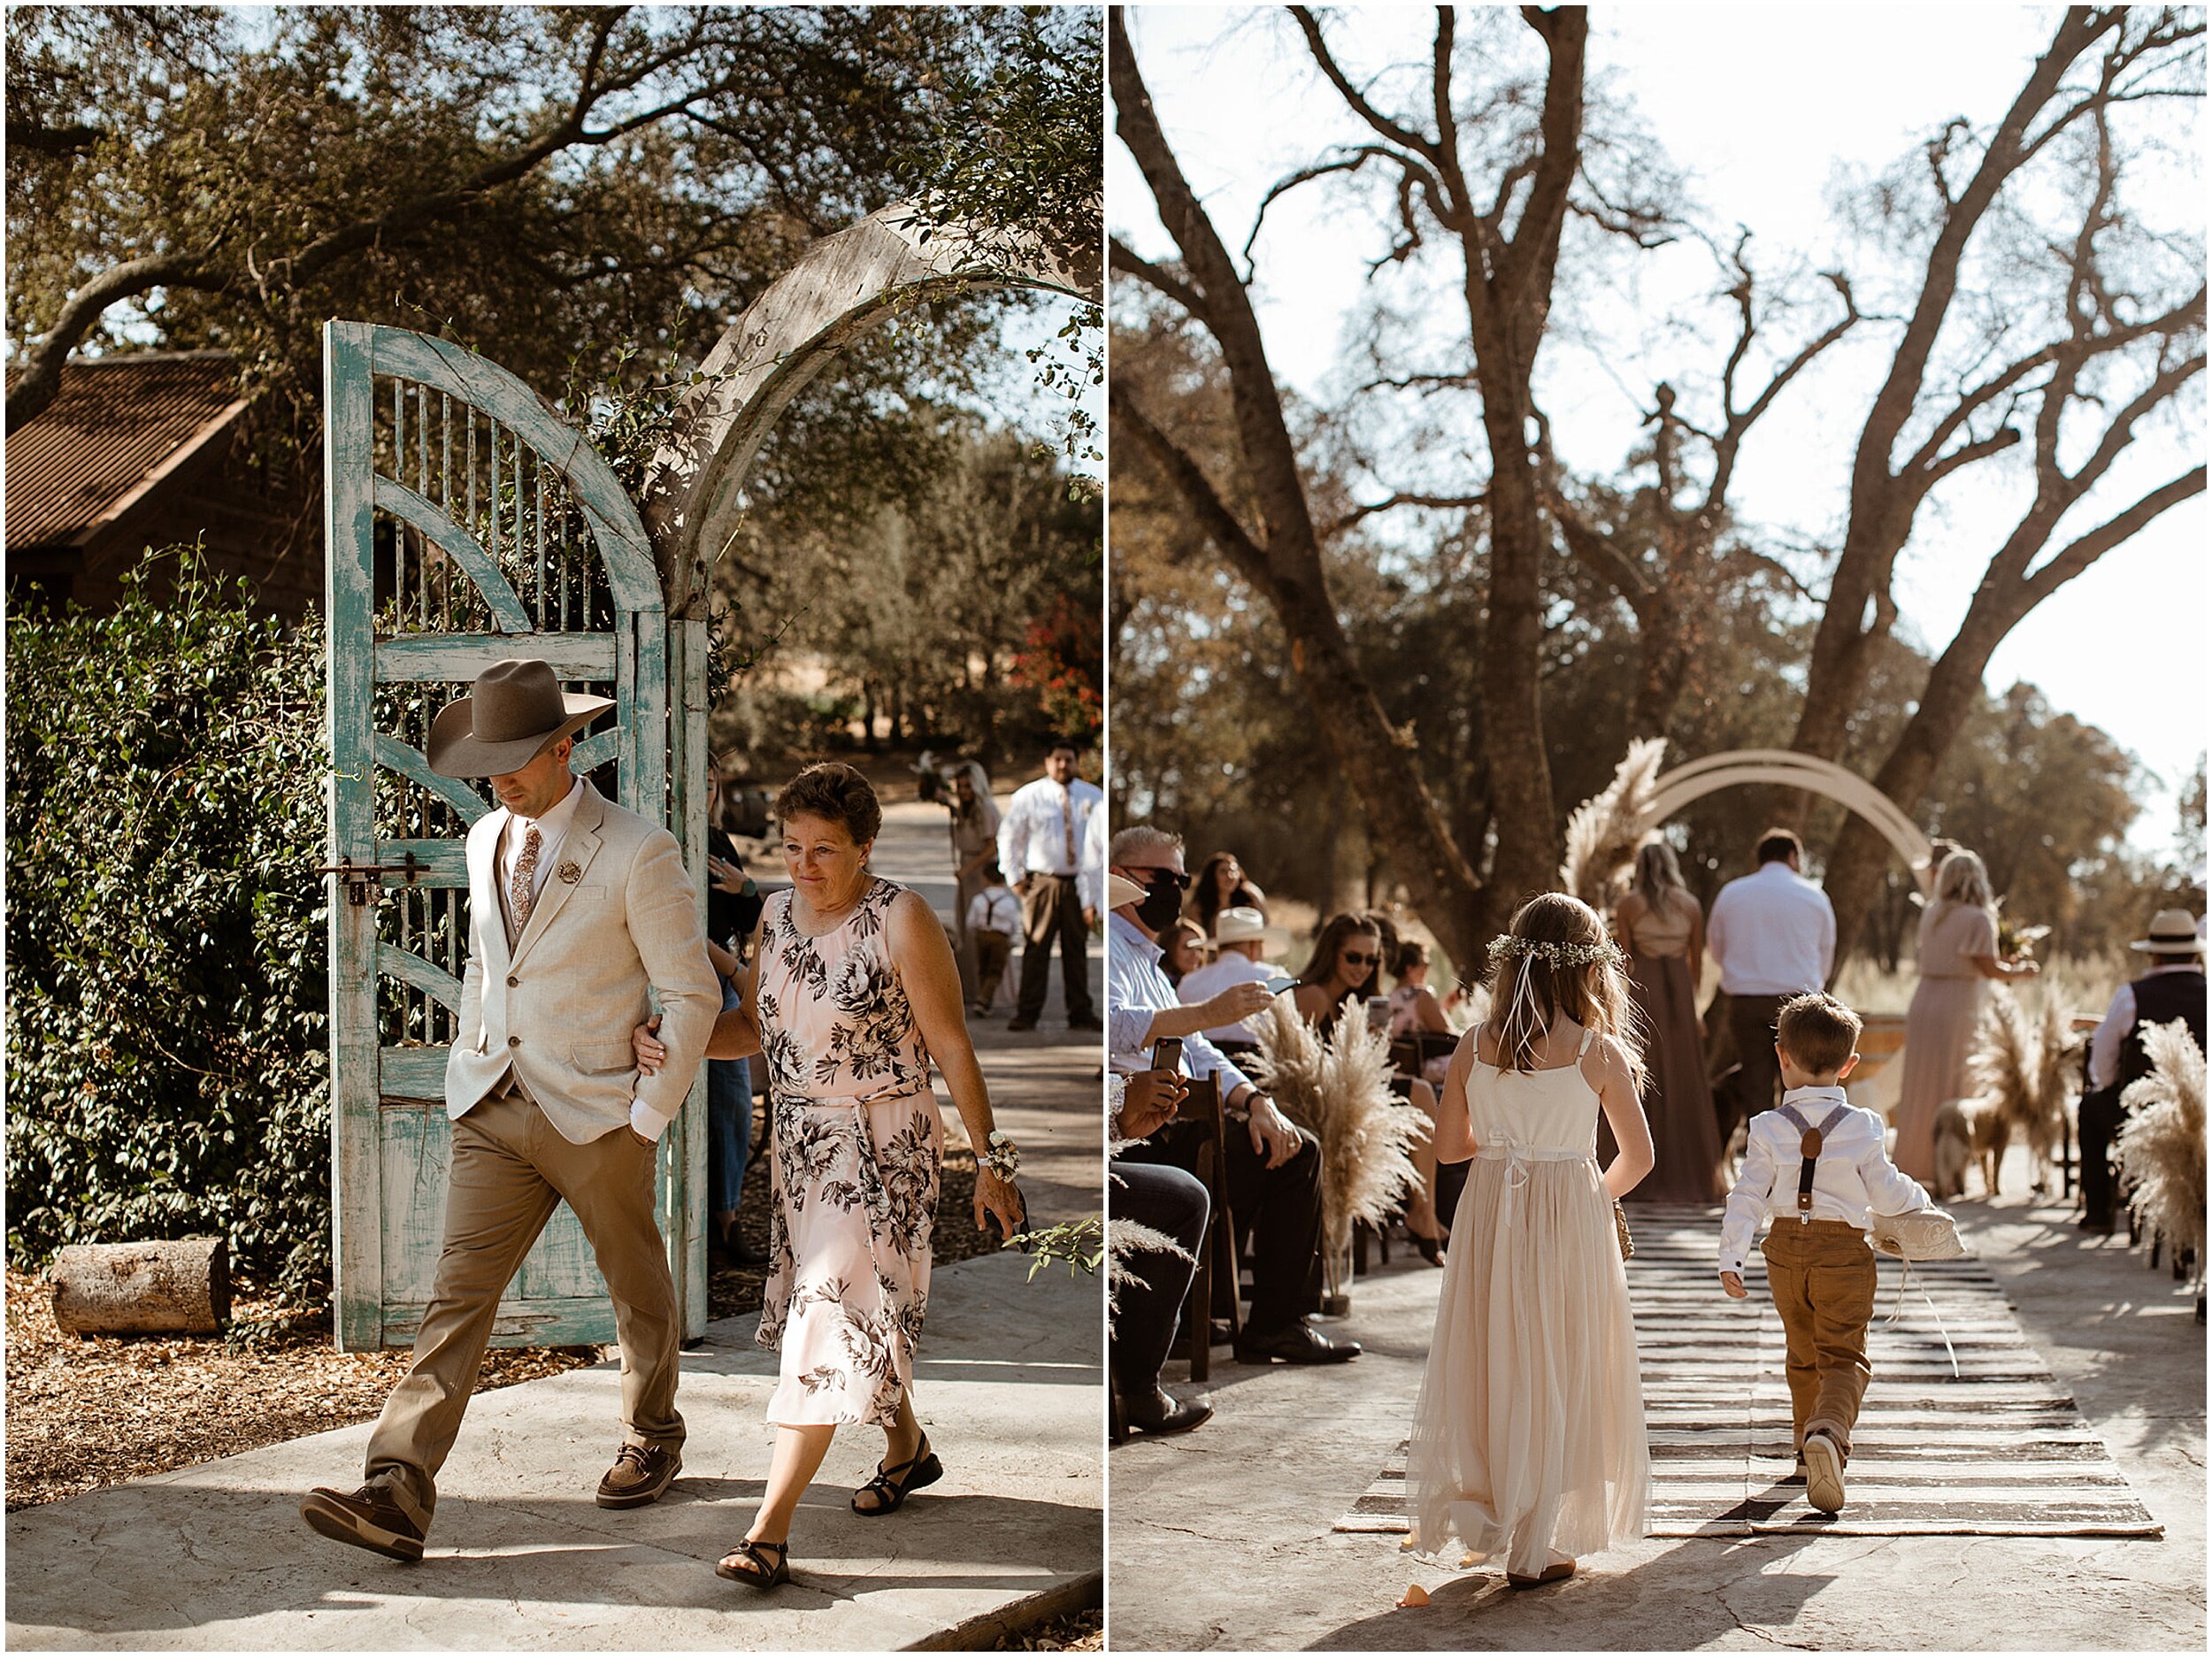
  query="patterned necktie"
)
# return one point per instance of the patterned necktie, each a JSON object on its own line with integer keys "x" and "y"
{"x": 1067, "y": 816}
{"x": 522, "y": 889}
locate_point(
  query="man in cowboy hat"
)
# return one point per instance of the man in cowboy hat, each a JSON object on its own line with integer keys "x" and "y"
{"x": 1240, "y": 942}
{"x": 577, "y": 909}
{"x": 2173, "y": 988}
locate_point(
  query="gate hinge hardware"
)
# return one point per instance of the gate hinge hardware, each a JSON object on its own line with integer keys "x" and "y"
{"x": 364, "y": 878}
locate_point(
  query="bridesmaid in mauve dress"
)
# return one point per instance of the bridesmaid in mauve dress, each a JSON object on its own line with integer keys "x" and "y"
{"x": 1662, "y": 928}
{"x": 1958, "y": 953}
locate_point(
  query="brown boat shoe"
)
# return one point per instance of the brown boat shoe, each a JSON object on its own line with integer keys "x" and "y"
{"x": 368, "y": 1518}
{"x": 641, "y": 1473}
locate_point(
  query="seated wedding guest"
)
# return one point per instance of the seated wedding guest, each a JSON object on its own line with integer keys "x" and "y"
{"x": 1149, "y": 1282}
{"x": 1272, "y": 1168}
{"x": 1346, "y": 959}
{"x": 1182, "y": 950}
{"x": 1413, "y": 1007}
{"x": 1240, "y": 940}
{"x": 2173, "y": 987}
{"x": 1222, "y": 885}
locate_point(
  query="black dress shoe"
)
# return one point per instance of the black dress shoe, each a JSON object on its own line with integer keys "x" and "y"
{"x": 1019, "y": 1022}
{"x": 1163, "y": 1412}
{"x": 1085, "y": 1023}
{"x": 1298, "y": 1343}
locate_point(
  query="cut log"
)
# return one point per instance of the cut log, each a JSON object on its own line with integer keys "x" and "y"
{"x": 180, "y": 1288}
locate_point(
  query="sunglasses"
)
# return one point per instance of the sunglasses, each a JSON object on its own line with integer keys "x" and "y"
{"x": 1152, "y": 877}
{"x": 1361, "y": 960}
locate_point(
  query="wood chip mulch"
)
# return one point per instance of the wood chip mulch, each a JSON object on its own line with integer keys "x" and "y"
{"x": 1077, "y": 1631}
{"x": 84, "y": 1412}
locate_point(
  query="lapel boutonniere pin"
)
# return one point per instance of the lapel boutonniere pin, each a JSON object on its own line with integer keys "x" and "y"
{"x": 569, "y": 873}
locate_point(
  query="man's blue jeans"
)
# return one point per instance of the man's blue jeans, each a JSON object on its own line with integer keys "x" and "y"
{"x": 729, "y": 1122}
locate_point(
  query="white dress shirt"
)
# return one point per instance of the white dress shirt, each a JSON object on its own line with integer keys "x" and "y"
{"x": 1136, "y": 989}
{"x": 552, "y": 830}
{"x": 1032, "y": 836}
{"x": 1090, "y": 875}
{"x": 1773, "y": 932}
{"x": 995, "y": 910}
{"x": 1204, "y": 983}
{"x": 2110, "y": 1040}
{"x": 1853, "y": 1179}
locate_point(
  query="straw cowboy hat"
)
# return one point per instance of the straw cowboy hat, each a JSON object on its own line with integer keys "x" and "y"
{"x": 514, "y": 712}
{"x": 1243, "y": 925}
{"x": 2173, "y": 932}
{"x": 1121, "y": 890}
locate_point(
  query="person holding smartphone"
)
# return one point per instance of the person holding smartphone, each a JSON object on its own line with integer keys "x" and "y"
{"x": 1151, "y": 1283}
{"x": 1272, "y": 1168}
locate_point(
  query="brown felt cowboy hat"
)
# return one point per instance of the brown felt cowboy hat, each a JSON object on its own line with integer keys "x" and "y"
{"x": 514, "y": 712}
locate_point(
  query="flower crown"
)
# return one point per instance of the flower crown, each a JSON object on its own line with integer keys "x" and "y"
{"x": 1556, "y": 955}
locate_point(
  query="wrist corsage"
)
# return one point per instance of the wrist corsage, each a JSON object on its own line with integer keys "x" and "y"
{"x": 1001, "y": 1156}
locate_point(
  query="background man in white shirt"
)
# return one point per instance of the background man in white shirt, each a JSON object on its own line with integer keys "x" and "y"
{"x": 1241, "y": 935}
{"x": 1774, "y": 936}
{"x": 1040, "y": 849}
{"x": 2174, "y": 987}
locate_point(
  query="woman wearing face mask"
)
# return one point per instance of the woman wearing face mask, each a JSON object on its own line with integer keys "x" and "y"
{"x": 1346, "y": 964}
{"x": 850, "y": 995}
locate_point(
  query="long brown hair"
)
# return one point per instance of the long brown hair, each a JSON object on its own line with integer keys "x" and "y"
{"x": 1321, "y": 965}
{"x": 1206, "y": 901}
{"x": 1535, "y": 981}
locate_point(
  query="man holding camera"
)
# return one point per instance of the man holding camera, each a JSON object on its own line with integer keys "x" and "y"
{"x": 1273, "y": 1168}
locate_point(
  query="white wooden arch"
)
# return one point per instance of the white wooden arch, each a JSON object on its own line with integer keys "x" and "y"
{"x": 1715, "y": 772}
{"x": 845, "y": 284}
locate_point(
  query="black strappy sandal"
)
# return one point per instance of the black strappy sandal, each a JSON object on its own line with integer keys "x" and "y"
{"x": 890, "y": 1491}
{"x": 766, "y": 1577}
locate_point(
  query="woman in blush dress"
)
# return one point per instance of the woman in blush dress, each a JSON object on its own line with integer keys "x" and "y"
{"x": 1662, "y": 928}
{"x": 1528, "y": 1440}
{"x": 1958, "y": 956}
{"x": 850, "y": 995}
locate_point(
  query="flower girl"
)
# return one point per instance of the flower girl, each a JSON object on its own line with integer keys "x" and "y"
{"x": 1528, "y": 1440}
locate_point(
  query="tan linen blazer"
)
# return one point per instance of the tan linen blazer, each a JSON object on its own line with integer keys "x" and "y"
{"x": 617, "y": 918}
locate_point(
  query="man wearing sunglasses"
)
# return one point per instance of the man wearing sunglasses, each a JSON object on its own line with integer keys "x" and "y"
{"x": 1273, "y": 1168}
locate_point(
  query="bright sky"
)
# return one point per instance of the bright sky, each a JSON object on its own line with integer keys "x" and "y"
{"x": 1730, "y": 95}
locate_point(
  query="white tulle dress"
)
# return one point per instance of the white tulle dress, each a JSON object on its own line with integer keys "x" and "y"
{"x": 1528, "y": 1440}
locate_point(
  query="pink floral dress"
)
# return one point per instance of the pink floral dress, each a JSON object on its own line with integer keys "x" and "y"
{"x": 858, "y": 1143}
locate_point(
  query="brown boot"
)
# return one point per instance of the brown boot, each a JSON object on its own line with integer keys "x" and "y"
{"x": 640, "y": 1474}
{"x": 368, "y": 1518}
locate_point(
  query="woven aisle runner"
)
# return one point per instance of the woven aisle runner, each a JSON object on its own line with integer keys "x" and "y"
{"x": 2000, "y": 1450}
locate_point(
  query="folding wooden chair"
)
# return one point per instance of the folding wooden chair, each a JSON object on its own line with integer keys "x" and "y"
{"x": 1202, "y": 1113}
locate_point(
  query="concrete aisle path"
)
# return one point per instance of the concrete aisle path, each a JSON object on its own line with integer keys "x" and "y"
{"x": 215, "y": 1558}
{"x": 1237, "y": 1515}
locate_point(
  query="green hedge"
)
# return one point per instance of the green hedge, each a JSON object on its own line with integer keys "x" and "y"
{"x": 167, "y": 984}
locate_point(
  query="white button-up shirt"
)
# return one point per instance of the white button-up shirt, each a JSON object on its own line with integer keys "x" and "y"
{"x": 1206, "y": 982}
{"x": 2119, "y": 1021}
{"x": 552, "y": 830}
{"x": 1090, "y": 878}
{"x": 1853, "y": 1177}
{"x": 1773, "y": 932}
{"x": 1033, "y": 837}
{"x": 995, "y": 910}
{"x": 1136, "y": 989}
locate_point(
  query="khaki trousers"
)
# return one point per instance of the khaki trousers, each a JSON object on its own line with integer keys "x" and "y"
{"x": 992, "y": 951}
{"x": 1822, "y": 1280}
{"x": 511, "y": 1168}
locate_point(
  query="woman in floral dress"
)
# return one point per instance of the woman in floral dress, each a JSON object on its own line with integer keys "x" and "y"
{"x": 852, "y": 992}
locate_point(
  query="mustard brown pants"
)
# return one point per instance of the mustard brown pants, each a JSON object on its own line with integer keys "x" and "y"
{"x": 1821, "y": 1275}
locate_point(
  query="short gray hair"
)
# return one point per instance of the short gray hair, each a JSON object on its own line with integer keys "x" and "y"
{"x": 1142, "y": 838}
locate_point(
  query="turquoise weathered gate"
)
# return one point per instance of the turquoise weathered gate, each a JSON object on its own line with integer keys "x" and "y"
{"x": 466, "y": 524}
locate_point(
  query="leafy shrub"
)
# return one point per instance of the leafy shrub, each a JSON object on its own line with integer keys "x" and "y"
{"x": 168, "y": 986}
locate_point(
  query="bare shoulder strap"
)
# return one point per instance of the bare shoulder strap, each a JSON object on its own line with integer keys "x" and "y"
{"x": 1588, "y": 1036}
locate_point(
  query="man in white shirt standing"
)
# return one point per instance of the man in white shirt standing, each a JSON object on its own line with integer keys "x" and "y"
{"x": 1774, "y": 935}
{"x": 1241, "y": 935}
{"x": 1040, "y": 849}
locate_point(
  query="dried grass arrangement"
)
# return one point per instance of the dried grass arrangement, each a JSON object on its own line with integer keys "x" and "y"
{"x": 2161, "y": 1147}
{"x": 1603, "y": 833}
{"x": 1339, "y": 1090}
{"x": 2023, "y": 1074}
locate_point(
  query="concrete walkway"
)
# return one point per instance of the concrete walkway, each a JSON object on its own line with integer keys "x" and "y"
{"x": 1237, "y": 1516}
{"x": 215, "y": 1558}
